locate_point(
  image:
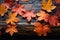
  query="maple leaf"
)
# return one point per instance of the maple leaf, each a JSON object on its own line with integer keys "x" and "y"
{"x": 41, "y": 29}
{"x": 53, "y": 20}
{"x": 19, "y": 9}
{"x": 11, "y": 29}
{"x": 29, "y": 15}
{"x": 12, "y": 18}
{"x": 46, "y": 29}
{"x": 48, "y": 6}
{"x": 57, "y": 1}
{"x": 42, "y": 15}
{"x": 8, "y": 3}
{"x": 3, "y": 10}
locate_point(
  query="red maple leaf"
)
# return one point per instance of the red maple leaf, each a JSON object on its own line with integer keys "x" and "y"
{"x": 57, "y": 1}
{"x": 53, "y": 20}
{"x": 19, "y": 9}
{"x": 41, "y": 29}
{"x": 8, "y": 3}
{"x": 29, "y": 15}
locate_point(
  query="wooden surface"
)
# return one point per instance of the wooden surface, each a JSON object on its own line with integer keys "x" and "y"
{"x": 28, "y": 29}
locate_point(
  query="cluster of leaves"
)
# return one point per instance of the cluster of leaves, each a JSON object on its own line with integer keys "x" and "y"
{"x": 23, "y": 12}
{"x": 52, "y": 19}
{"x": 18, "y": 9}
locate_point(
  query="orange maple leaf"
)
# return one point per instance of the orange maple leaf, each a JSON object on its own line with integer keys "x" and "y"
{"x": 42, "y": 15}
{"x": 12, "y": 18}
{"x": 11, "y": 29}
{"x": 41, "y": 29}
{"x": 48, "y": 6}
{"x": 3, "y": 10}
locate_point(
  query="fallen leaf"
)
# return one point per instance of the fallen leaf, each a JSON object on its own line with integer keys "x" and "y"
{"x": 12, "y": 18}
{"x": 19, "y": 9}
{"x": 53, "y": 20}
{"x": 29, "y": 15}
{"x": 46, "y": 29}
{"x": 41, "y": 29}
{"x": 3, "y": 10}
{"x": 8, "y": 3}
{"x": 42, "y": 15}
{"x": 11, "y": 29}
{"x": 47, "y": 5}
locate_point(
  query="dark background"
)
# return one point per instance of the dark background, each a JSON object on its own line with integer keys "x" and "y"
{"x": 17, "y": 36}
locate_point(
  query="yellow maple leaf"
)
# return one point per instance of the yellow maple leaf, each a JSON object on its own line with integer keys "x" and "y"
{"x": 11, "y": 29}
{"x": 47, "y": 5}
{"x": 3, "y": 10}
{"x": 12, "y": 18}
